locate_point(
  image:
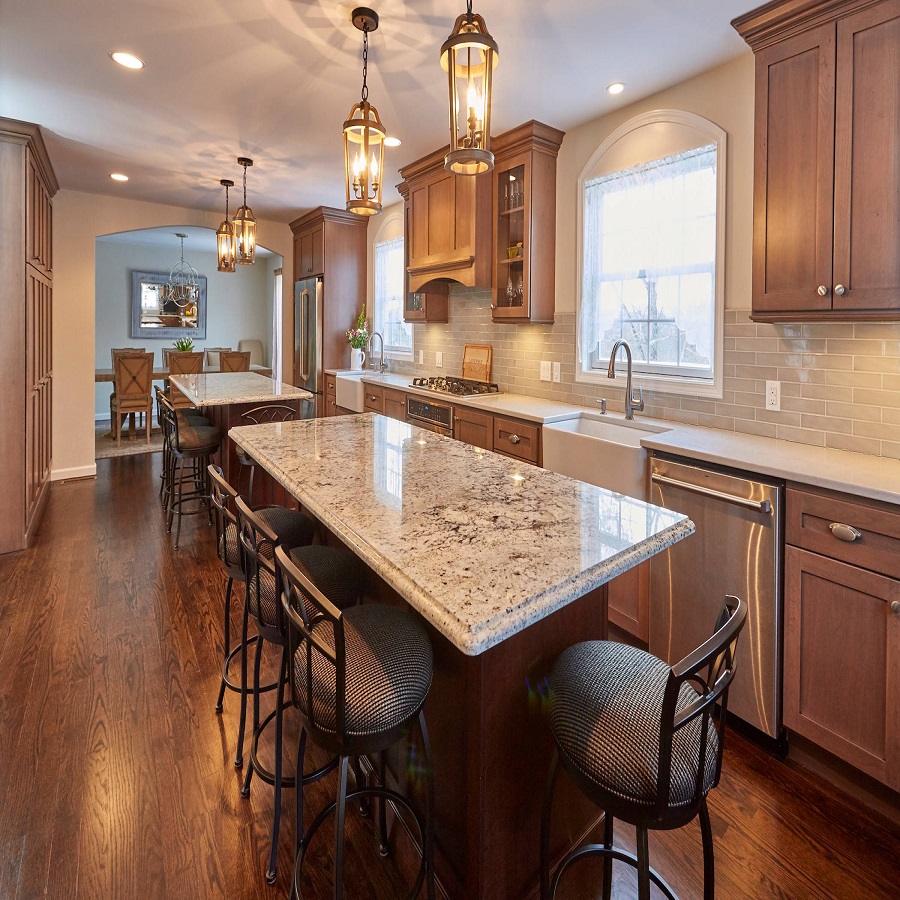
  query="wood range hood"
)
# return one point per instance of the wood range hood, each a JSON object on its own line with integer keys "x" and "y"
{"x": 447, "y": 225}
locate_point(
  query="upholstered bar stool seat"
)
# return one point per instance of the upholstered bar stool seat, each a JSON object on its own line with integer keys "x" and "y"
{"x": 606, "y": 713}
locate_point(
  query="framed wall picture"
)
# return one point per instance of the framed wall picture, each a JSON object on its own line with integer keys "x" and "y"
{"x": 152, "y": 317}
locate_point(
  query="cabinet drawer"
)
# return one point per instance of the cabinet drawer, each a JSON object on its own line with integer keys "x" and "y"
{"x": 810, "y": 515}
{"x": 373, "y": 399}
{"x": 330, "y": 385}
{"x": 516, "y": 438}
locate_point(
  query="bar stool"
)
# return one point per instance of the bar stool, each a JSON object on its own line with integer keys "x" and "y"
{"x": 640, "y": 740}
{"x": 260, "y": 415}
{"x": 190, "y": 415}
{"x": 189, "y": 450}
{"x": 338, "y": 574}
{"x": 359, "y": 679}
{"x": 291, "y": 527}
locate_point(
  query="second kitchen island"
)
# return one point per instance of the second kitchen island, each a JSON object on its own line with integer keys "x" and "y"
{"x": 507, "y": 564}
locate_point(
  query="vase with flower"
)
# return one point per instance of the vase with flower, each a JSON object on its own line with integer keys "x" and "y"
{"x": 358, "y": 338}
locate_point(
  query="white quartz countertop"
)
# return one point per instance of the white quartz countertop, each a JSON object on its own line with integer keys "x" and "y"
{"x": 480, "y": 545}
{"x": 223, "y": 388}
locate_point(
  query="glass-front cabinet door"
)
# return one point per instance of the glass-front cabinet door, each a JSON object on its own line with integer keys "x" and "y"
{"x": 512, "y": 209}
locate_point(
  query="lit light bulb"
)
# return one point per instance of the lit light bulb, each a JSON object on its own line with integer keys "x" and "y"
{"x": 373, "y": 168}
{"x": 359, "y": 164}
{"x": 474, "y": 101}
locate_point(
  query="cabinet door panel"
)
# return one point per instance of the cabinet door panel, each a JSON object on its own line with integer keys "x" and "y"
{"x": 842, "y": 661}
{"x": 441, "y": 221}
{"x": 473, "y": 428}
{"x": 867, "y": 151}
{"x": 793, "y": 182}
{"x": 395, "y": 404}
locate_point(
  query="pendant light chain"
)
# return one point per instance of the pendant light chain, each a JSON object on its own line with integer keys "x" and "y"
{"x": 226, "y": 202}
{"x": 245, "y": 185}
{"x": 365, "y": 86}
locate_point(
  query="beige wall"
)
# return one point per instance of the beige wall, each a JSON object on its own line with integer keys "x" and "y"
{"x": 78, "y": 218}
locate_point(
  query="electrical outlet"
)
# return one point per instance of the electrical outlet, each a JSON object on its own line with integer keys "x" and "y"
{"x": 545, "y": 370}
{"x": 773, "y": 395}
{"x": 420, "y": 355}
{"x": 439, "y": 359}
{"x": 556, "y": 371}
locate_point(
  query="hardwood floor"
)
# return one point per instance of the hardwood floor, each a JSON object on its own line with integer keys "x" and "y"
{"x": 118, "y": 778}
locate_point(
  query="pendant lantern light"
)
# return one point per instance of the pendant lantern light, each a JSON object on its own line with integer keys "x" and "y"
{"x": 364, "y": 136}
{"x": 225, "y": 240}
{"x": 244, "y": 224}
{"x": 469, "y": 57}
{"x": 182, "y": 287}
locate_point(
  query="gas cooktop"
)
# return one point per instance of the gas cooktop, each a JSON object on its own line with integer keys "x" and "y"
{"x": 458, "y": 387}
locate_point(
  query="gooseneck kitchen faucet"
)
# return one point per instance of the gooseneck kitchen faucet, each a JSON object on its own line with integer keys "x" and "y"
{"x": 632, "y": 403}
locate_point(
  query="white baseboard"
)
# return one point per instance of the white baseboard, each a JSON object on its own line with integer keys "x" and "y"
{"x": 75, "y": 472}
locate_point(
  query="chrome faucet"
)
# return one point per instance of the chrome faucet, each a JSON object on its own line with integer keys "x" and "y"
{"x": 631, "y": 404}
{"x": 382, "y": 365}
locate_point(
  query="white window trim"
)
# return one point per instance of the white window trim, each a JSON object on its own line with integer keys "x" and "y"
{"x": 680, "y": 384}
{"x": 389, "y": 220}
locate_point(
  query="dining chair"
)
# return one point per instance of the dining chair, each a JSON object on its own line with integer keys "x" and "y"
{"x": 187, "y": 363}
{"x": 113, "y": 353}
{"x": 254, "y": 345}
{"x": 234, "y": 361}
{"x": 212, "y": 356}
{"x": 133, "y": 380}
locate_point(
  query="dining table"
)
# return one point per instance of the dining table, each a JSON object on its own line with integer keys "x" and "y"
{"x": 161, "y": 373}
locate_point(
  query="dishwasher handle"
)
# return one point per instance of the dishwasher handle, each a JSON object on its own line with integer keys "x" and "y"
{"x": 763, "y": 506}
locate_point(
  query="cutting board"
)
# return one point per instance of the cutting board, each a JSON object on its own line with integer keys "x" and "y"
{"x": 477, "y": 362}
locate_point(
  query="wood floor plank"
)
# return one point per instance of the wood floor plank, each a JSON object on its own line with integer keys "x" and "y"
{"x": 118, "y": 777}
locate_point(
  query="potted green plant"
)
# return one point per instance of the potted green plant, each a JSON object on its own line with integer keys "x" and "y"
{"x": 358, "y": 338}
{"x": 184, "y": 345}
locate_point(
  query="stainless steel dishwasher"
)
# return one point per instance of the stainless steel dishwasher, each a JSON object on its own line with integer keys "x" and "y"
{"x": 736, "y": 550}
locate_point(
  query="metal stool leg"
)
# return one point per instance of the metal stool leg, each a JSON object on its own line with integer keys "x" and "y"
{"x": 429, "y": 812}
{"x": 219, "y": 702}
{"x": 339, "y": 831}
{"x": 643, "y": 866}
{"x": 245, "y": 790}
{"x": 242, "y": 723}
{"x": 607, "y": 859}
{"x": 383, "y": 847}
{"x": 276, "y": 821}
{"x": 545, "y": 827}
{"x": 709, "y": 871}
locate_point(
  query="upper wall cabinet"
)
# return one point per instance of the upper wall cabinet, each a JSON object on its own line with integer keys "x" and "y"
{"x": 524, "y": 200}
{"x": 448, "y": 224}
{"x": 826, "y": 208}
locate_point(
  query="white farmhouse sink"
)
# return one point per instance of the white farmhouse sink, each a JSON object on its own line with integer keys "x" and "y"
{"x": 349, "y": 389}
{"x": 600, "y": 449}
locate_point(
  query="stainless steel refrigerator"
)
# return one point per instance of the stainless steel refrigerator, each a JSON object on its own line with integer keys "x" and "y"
{"x": 308, "y": 370}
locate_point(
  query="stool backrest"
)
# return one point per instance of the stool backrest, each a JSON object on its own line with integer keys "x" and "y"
{"x": 185, "y": 363}
{"x": 258, "y": 543}
{"x": 133, "y": 374}
{"x": 234, "y": 361}
{"x": 223, "y": 497}
{"x": 271, "y": 413}
{"x": 694, "y": 687}
{"x": 317, "y": 653}
{"x": 168, "y": 421}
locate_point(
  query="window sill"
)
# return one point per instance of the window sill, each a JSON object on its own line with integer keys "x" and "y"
{"x": 401, "y": 355}
{"x": 685, "y": 387}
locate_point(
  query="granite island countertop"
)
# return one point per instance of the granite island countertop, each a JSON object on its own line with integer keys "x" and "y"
{"x": 224, "y": 388}
{"x": 480, "y": 545}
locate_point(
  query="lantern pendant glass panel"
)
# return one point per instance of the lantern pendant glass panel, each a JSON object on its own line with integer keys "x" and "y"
{"x": 364, "y": 159}
{"x": 226, "y": 244}
{"x": 244, "y": 225}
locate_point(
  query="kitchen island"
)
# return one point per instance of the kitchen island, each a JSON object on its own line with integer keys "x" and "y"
{"x": 507, "y": 563}
{"x": 237, "y": 398}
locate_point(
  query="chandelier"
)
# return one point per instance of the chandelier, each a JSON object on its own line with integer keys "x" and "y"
{"x": 244, "y": 224}
{"x": 364, "y": 136}
{"x": 226, "y": 243}
{"x": 469, "y": 57}
{"x": 182, "y": 287}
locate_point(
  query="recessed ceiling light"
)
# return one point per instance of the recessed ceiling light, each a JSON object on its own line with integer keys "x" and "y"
{"x": 129, "y": 60}
{"x": 616, "y": 87}
{"x": 391, "y": 142}
{"x": 118, "y": 176}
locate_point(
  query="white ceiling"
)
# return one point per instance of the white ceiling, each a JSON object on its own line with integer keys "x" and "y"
{"x": 197, "y": 239}
{"x": 274, "y": 80}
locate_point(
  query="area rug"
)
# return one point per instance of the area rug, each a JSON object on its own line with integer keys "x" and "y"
{"x": 105, "y": 446}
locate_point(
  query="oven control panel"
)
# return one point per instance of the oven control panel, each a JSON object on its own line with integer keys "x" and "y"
{"x": 439, "y": 414}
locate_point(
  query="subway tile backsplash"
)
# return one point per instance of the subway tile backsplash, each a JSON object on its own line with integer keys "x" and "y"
{"x": 840, "y": 382}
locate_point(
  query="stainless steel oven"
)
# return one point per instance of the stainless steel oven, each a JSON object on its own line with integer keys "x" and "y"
{"x": 430, "y": 414}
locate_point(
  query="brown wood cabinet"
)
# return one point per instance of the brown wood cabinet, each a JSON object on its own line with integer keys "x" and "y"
{"x": 27, "y": 185}
{"x": 394, "y": 404}
{"x": 826, "y": 183}
{"x": 447, "y": 224}
{"x": 842, "y": 628}
{"x": 518, "y": 439}
{"x": 428, "y": 305}
{"x": 473, "y": 427}
{"x": 373, "y": 398}
{"x": 334, "y": 242}
{"x": 524, "y": 205}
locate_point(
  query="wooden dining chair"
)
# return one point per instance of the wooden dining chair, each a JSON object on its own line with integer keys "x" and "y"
{"x": 234, "y": 361}
{"x": 212, "y": 356}
{"x": 183, "y": 363}
{"x": 113, "y": 353}
{"x": 133, "y": 379}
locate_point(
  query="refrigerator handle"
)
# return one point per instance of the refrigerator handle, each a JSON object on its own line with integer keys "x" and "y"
{"x": 763, "y": 506}
{"x": 304, "y": 335}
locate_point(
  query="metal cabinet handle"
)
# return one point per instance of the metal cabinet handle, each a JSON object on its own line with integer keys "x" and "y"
{"x": 514, "y": 439}
{"x": 822, "y": 290}
{"x": 895, "y": 607}
{"x": 763, "y": 506}
{"x": 840, "y": 290}
{"x": 845, "y": 532}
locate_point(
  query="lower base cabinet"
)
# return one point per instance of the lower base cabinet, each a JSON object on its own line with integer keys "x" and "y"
{"x": 473, "y": 427}
{"x": 394, "y": 404}
{"x": 842, "y": 630}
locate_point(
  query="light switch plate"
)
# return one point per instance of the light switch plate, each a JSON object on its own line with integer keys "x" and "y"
{"x": 545, "y": 370}
{"x": 420, "y": 356}
{"x": 773, "y": 395}
{"x": 439, "y": 359}
{"x": 556, "y": 371}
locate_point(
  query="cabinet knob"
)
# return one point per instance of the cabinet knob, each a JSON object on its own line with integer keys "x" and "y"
{"x": 845, "y": 532}
{"x": 514, "y": 439}
{"x": 840, "y": 290}
{"x": 895, "y": 607}
{"x": 822, "y": 291}
{"x": 456, "y": 418}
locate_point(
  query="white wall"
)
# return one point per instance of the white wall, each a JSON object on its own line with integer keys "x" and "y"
{"x": 78, "y": 219}
{"x": 238, "y": 304}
